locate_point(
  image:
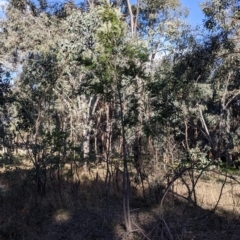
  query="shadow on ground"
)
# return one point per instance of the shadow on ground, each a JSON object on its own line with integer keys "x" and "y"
{"x": 80, "y": 210}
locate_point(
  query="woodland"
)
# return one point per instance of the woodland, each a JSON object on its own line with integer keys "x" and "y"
{"x": 119, "y": 120}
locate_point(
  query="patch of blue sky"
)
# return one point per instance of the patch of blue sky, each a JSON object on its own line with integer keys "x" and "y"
{"x": 196, "y": 15}
{"x": 3, "y": 5}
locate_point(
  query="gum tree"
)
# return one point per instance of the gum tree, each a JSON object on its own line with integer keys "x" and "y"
{"x": 111, "y": 63}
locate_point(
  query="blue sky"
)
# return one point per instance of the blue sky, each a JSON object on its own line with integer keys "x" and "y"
{"x": 3, "y": 4}
{"x": 195, "y": 13}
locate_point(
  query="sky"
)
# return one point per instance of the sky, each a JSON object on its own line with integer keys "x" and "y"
{"x": 196, "y": 15}
{"x": 3, "y": 4}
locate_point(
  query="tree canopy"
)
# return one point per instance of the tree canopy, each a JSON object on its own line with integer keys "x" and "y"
{"x": 120, "y": 84}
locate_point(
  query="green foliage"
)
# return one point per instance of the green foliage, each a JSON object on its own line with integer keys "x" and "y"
{"x": 87, "y": 88}
{"x": 80, "y": 74}
{"x": 112, "y": 27}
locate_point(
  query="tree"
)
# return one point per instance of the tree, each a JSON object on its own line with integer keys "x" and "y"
{"x": 5, "y": 100}
{"x": 112, "y": 63}
{"x": 199, "y": 90}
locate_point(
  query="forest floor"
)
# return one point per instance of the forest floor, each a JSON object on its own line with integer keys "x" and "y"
{"x": 78, "y": 208}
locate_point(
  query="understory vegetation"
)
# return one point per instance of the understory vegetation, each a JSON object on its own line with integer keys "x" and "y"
{"x": 118, "y": 120}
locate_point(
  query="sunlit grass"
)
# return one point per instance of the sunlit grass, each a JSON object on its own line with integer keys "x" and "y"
{"x": 61, "y": 216}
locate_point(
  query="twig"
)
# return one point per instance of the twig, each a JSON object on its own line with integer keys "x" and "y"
{"x": 168, "y": 230}
{"x": 168, "y": 188}
{"x": 166, "y": 226}
{"x": 220, "y": 195}
{"x": 141, "y": 230}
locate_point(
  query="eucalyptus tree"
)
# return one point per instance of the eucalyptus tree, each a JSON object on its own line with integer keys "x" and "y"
{"x": 74, "y": 68}
{"x": 158, "y": 24}
{"x": 124, "y": 64}
{"x": 199, "y": 87}
{"x": 222, "y": 21}
{"x": 29, "y": 40}
{"x": 181, "y": 81}
{"x": 5, "y": 101}
{"x": 110, "y": 62}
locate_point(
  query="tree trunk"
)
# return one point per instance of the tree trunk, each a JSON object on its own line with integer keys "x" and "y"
{"x": 126, "y": 181}
{"x": 107, "y": 150}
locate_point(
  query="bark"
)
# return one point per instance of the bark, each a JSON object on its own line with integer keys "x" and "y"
{"x": 126, "y": 181}
{"x": 136, "y": 18}
{"x": 131, "y": 16}
{"x": 108, "y": 143}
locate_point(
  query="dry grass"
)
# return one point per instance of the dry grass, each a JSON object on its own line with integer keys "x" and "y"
{"x": 78, "y": 207}
{"x": 209, "y": 192}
